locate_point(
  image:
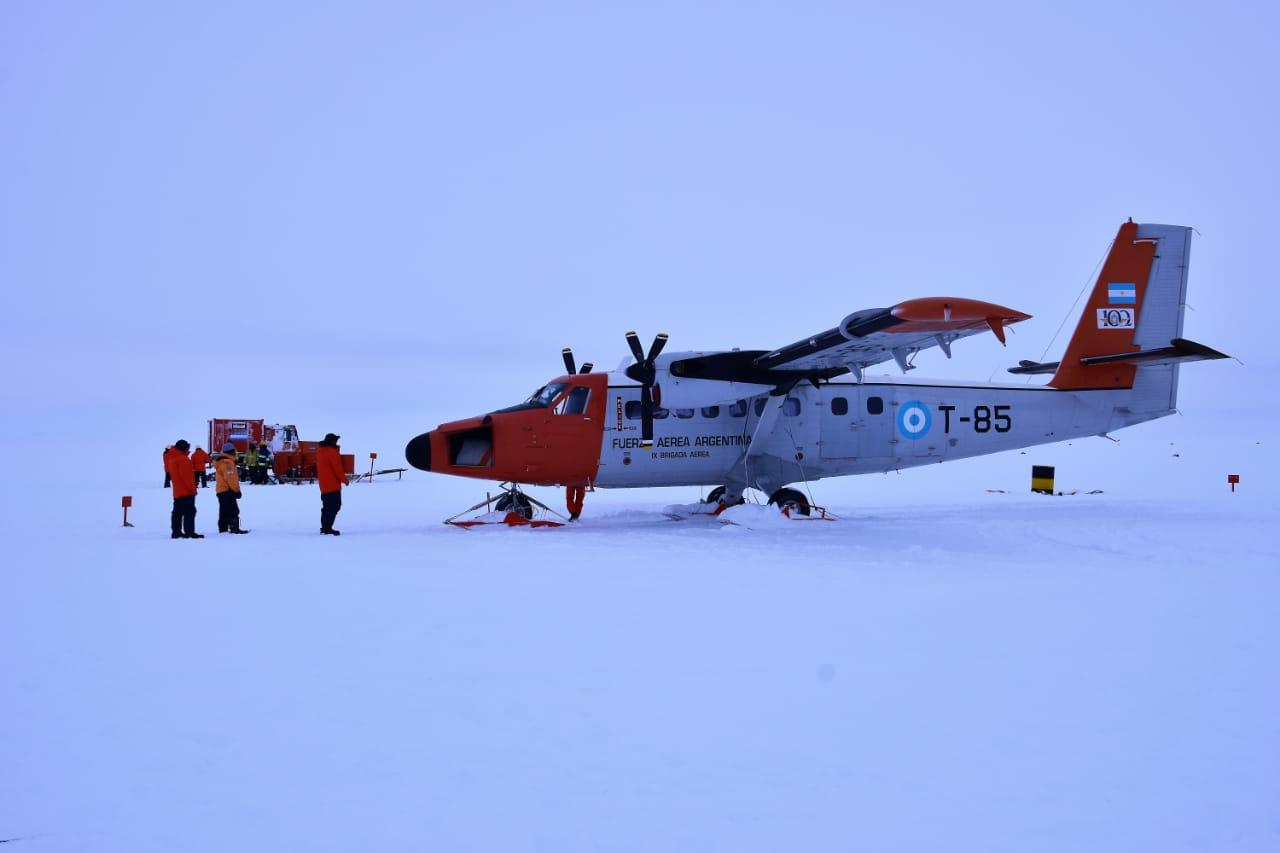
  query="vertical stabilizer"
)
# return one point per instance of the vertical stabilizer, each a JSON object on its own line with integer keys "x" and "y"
{"x": 1136, "y": 305}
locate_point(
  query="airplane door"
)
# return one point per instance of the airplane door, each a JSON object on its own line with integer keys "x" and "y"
{"x": 570, "y": 435}
{"x": 853, "y": 424}
{"x": 841, "y": 426}
{"x": 856, "y": 423}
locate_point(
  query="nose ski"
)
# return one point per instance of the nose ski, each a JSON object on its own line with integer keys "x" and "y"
{"x": 513, "y": 508}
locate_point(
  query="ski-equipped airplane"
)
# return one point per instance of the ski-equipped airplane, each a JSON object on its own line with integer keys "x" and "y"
{"x": 764, "y": 419}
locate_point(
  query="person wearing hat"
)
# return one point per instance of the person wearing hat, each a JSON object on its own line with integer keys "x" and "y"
{"x": 262, "y": 465}
{"x": 332, "y": 479}
{"x": 182, "y": 522}
{"x": 227, "y": 477}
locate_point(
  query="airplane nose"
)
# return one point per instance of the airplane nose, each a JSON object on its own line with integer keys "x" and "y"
{"x": 418, "y": 452}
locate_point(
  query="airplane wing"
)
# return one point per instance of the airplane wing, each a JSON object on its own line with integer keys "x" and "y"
{"x": 862, "y": 339}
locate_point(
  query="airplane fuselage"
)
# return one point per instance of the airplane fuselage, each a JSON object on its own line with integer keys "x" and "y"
{"x": 588, "y": 431}
{"x": 845, "y": 428}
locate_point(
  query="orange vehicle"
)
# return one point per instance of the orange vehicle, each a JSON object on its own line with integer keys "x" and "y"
{"x": 294, "y": 459}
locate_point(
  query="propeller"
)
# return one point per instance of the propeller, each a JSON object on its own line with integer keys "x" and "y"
{"x": 644, "y": 372}
{"x": 569, "y": 365}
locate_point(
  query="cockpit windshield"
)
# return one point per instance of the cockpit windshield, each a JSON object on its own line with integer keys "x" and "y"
{"x": 546, "y": 395}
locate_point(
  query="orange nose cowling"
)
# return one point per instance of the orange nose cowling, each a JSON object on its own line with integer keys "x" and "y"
{"x": 533, "y": 446}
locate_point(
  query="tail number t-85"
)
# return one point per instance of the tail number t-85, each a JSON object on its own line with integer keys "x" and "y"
{"x": 983, "y": 419}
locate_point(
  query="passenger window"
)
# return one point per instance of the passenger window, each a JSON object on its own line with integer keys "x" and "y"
{"x": 633, "y": 411}
{"x": 875, "y": 405}
{"x": 574, "y": 403}
{"x": 711, "y": 411}
{"x": 839, "y": 406}
{"x": 738, "y": 409}
{"x": 684, "y": 414}
{"x": 760, "y": 406}
{"x": 791, "y": 407}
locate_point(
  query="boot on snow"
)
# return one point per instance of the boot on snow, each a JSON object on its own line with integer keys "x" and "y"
{"x": 330, "y": 531}
{"x": 193, "y": 536}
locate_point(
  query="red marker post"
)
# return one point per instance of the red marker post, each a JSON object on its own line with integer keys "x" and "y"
{"x": 1234, "y": 480}
{"x": 126, "y": 502}
{"x": 372, "y": 456}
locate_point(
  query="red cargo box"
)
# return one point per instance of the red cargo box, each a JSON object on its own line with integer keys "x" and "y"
{"x": 348, "y": 463}
{"x": 237, "y": 431}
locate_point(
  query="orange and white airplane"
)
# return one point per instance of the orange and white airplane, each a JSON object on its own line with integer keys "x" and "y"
{"x": 762, "y": 419}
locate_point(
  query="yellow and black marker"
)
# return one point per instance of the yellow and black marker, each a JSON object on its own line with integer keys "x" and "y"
{"x": 1042, "y": 479}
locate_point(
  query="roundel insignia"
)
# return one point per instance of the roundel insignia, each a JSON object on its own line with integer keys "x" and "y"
{"x": 914, "y": 419}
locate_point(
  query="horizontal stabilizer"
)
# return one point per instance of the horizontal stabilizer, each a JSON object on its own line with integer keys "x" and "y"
{"x": 1028, "y": 368}
{"x": 1179, "y": 350}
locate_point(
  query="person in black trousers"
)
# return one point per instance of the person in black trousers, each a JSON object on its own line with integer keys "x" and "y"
{"x": 227, "y": 480}
{"x": 182, "y": 522}
{"x": 332, "y": 479}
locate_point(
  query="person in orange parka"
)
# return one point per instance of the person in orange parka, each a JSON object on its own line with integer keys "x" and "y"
{"x": 199, "y": 462}
{"x": 228, "y": 489}
{"x": 182, "y": 523}
{"x": 332, "y": 479}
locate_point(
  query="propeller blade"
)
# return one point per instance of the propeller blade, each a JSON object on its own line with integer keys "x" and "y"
{"x": 658, "y": 343}
{"x": 568, "y": 360}
{"x": 646, "y": 415}
{"x": 586, "y": 367}
{"x": 633, "y": 341}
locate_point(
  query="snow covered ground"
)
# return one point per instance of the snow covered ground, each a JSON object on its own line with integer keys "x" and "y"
{"x": 945, "y": 668}
{"x": 374, "y": 219}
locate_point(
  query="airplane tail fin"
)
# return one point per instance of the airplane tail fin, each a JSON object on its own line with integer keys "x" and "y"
{"x": 1130, "y": 334}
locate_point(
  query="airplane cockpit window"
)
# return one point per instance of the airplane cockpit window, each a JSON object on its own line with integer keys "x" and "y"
{"x": 684, "y": 414}
{"x": 760, "y": 404}
{"x": 738, "y": 409}
{"x": 711, "y": 412}
{"x": 546, "y": 395}
{"x": 574, "y": 403}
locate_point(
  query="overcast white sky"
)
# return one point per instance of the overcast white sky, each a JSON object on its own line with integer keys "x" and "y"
{"x": 370, "y": 218}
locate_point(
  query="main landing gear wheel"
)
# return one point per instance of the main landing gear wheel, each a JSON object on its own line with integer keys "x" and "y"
{"x": 716, "y": 494}
{"x": 792, "y": 500}
{"x": 515, "y": 502}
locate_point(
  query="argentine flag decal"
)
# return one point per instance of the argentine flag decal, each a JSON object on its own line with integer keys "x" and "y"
{"x": 1122, "y": 293}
